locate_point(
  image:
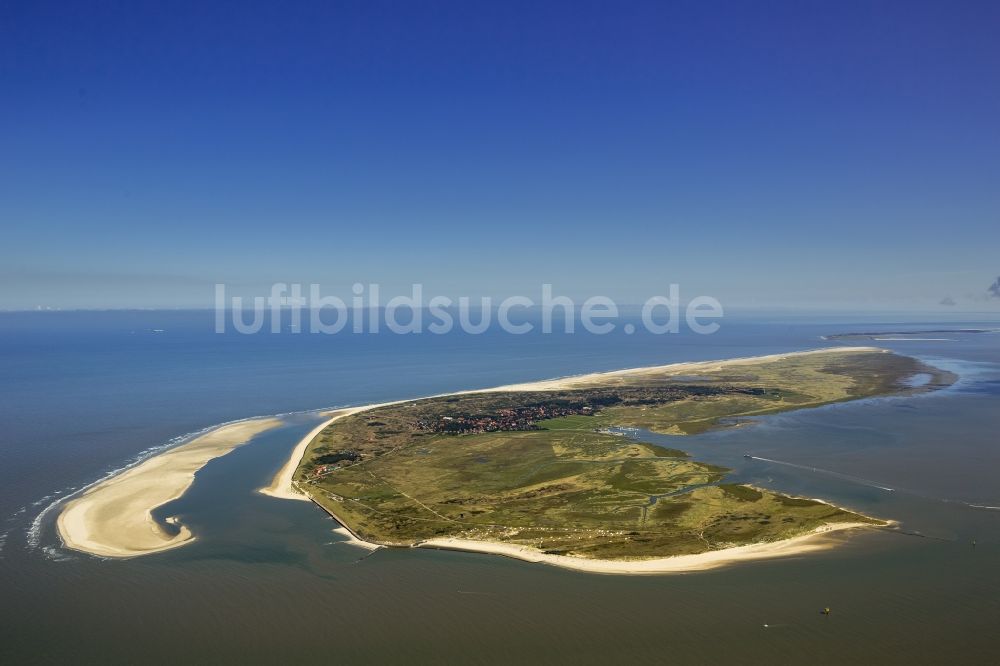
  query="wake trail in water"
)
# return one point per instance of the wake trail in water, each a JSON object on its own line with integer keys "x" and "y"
{"x": 873, "y": 484}
{"x": 848, "y": 477}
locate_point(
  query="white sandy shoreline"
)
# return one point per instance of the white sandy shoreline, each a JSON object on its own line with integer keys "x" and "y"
{"x": 113, "y": 518}
{"x": 281, "y": 485}
{"x": 815, "y": 541}
{"x": 799, "y": 545}
{"x": 577, "y": 381}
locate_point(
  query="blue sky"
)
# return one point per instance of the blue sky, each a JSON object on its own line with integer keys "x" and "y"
{"x": 800, "y": 154}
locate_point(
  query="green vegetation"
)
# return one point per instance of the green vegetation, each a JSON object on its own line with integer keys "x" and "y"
{"x": 547, "y": 468}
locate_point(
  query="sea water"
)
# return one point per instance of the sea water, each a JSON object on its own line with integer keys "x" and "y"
{"x": 83, "y": 394}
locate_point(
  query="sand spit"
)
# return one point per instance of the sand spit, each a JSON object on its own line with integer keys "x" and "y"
{"x": 113, "y": 518}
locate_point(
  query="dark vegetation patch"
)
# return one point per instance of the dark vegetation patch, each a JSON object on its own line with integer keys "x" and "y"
{"x": 340, "y": 456}
{"x": 740, "y": 492}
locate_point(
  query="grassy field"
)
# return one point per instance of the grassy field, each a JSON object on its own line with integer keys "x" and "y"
{"x": 540, "y": 468}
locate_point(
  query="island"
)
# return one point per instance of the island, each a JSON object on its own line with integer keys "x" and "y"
{"x": 555, "y": 471}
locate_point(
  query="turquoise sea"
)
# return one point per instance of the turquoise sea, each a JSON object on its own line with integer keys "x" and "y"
{"x": 84, "y": 393}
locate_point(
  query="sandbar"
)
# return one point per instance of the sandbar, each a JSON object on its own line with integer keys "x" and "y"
{"x": 113, "y": 518}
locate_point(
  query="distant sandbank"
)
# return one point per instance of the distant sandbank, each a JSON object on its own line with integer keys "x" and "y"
{"x": 687, "y": 367}
{"x": 113, "y": 518}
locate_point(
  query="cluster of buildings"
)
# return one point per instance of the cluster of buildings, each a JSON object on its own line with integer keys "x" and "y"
{"x": 323, "y": 469}
{"x": 507, "y": 419}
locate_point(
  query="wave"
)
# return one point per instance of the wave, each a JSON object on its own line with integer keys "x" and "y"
{"x": 37, "y": 525}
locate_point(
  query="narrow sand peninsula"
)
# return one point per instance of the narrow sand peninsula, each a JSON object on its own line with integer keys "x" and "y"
{"x": 800, "y": 545}
{"x": 114, "y": 517}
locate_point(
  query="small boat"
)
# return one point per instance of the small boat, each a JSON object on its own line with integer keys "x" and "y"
{"x": 747, "y": 456}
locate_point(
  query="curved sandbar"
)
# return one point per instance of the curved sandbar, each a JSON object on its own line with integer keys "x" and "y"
{"x": 114, "y": 517}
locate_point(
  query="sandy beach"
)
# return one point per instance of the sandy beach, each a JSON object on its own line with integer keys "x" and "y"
{"x": 812, "y": 542}
{"x": 281, "y": 485}
{"x": 353, "y": 540}
{"x": 113, "y": 518}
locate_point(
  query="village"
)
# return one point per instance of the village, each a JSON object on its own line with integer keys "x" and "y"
{"x": 506, "y": 419}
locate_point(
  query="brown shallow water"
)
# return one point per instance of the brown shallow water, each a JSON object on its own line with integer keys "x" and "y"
{"x": 267, "y": 581}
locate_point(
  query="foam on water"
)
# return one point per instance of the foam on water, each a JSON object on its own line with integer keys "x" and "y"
{"x": 37, "y": 526}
